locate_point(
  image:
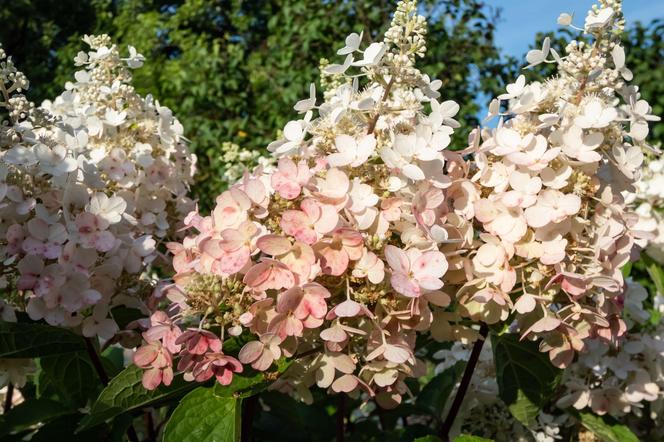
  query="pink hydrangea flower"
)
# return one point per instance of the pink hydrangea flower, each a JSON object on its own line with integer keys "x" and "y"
{"x": 231, "y": 209}
{"x": 229, "y": 253}
{"x": 157, "y": 362}
{"x": 261, "y": 354}
{"x": 299, "y": 308}
{"x": 44, "y": 239}
{"x": 413, "y": 272}
{"x": 311, "y": 223}
{"x": 289, "y": 178}
{"x": 552, "y": 206}
{"x": 91, "y": 233}
{"x": 219, "y": 365}
{"x": 269, "y": 274}
{"x": 163, "y": 329}
{"x": 337, "y": 252}
{"x": 198, "y": 342}
{"x": 297, "y": 256}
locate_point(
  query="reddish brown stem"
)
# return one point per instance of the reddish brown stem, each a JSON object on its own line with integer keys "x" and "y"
{"x": 341, "y": 416}
{"x": 465, "y": 383}
{"x": 249, "y": 407}
{"x": 9, "y": 397}
{"x": 149, "y": 425}
{"x": 374, "y": 120}
{"x": 103, "y": 377}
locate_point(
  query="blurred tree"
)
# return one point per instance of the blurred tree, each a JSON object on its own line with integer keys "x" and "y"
{"x": 33, "y": 31}
{"x": 232, "y": 69}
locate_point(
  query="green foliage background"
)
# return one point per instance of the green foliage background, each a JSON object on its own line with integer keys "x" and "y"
{"x": 232, "y": 69}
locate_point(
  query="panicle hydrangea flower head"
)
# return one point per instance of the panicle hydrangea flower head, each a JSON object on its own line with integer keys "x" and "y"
{"x": 554, "y": 223}
{"x": 336, "y": 256}
{"x": 649, "y": 201}
{"x": 89, "y": 184}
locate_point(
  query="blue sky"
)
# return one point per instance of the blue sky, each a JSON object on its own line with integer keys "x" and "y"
{"x": 522, "y": 19}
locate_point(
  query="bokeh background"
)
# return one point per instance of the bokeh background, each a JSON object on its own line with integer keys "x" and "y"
{"x": 232, "y": 69}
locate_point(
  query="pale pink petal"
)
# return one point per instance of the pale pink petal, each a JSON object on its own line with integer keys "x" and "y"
{"x": 347, "y": 309}
{"x": 289, "y": 300}
{"x": 396, "y": 353}
{"x": 404, "y": 285}
{"x": 273, "y": 244}
{"x": 145, "y": 355}
{"x": 251, "y": 351}
{"x": 429, "y": 265}
{"x": 334, "y": 262}
{"x": 397, "y": 259}
{"x": 151, "y": 378}
{"x": 345, "y": 384}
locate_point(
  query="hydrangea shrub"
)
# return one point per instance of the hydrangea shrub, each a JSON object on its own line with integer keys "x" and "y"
{"x": 91, "y": 183}
{"x": 367, "y": 258}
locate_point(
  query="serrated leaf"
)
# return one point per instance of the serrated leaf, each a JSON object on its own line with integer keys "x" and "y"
{"x": 71, "y": 375}
{"x": 203, "y": 416}
{"x": 435, "y": 393}
{"x": 33, "y": 340}
{"x": 126, "y": 393}
{"x": 526, "y": 378}
{"x": 606, "y": 428}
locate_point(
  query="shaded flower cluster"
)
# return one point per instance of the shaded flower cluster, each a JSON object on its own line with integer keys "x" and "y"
{"x": 648, "y": 201}
{"x": 90, "y": 183}
{"x": 336, "y": 257}
{"x": 554, "y": 225}
{"x": 623, "y": 381}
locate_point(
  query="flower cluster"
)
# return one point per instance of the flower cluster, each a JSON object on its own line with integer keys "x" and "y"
{"x": 622, "y": 381}
{"x": 237, "y": 159}
{"x": 335, "y": 258}
{"x": 649, "y": 201}
{"x": 89, "y": 184}
{"x": 555, "y": 231}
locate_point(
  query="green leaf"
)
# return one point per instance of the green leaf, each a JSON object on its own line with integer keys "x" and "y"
{"x": 524, "y": 410}
{"x": 29, "y": 413}
{"x": 606, "y": 428}
{"x": 470, "y": 438}
{"x": 126, "y": 393}
{"x": 203, "y": 416}
{"x": 526, "y": 378}
{"x": 33, "y": 340}
{"x": 293, "y": 420}
{"x": 124, "y": 315}
{"x": 435, "y": 393}
{"x": 62, "y": 430}
{"x": 428, "y": 438}
{"x": 71, "y": 375}
{"x": 657, "y": 275}
{"x": 245, "y": 385}
{"x": 627, "y": 269}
